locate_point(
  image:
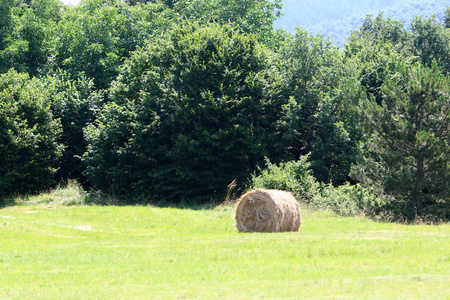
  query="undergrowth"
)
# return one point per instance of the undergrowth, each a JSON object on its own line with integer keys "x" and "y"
{"x": 67, "y": 194}
{"x": 295, "y": 177}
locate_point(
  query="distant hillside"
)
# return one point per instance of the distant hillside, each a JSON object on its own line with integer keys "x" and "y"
{"x": 337, "y": 18}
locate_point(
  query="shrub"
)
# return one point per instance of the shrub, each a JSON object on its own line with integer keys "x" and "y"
{"x": 295, "y": 177}
{"x": 292, "y": 176}
{"x": 346, "y": 200}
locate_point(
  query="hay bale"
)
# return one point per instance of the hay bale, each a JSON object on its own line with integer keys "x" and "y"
{"x": 263, "y": 210}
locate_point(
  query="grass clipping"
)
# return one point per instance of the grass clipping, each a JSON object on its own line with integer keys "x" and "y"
{"x": 263, "y": 210}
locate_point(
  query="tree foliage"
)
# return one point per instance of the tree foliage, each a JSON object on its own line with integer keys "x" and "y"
{"x": 447, "y": 17}
{"x": 410, "y": 134}
{"x": 28, "y": 135}
{"x": 251, "y": 16}
{"x": 74, "y": 103}
{"x": 5, "y": 22}
{"x": 172, "y": 100}
{"x": 189, "y": 113}
{"x": 399, "y": 79}
{"x": 312, "y": 120}
{"x": 94, "y": 37}
{"x": 25, "y": 33}
{"x": 431, "y": 43}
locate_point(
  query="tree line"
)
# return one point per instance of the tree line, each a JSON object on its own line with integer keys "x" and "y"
{"x": 173, "y": 100}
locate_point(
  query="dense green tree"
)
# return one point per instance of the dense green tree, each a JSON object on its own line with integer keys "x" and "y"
{"x": 376, "y": 49}
{"x": 31, "y": 32}
{"x": 375, "y": 63}
{"x": 251, "y": 16}
{"x": 381, "y": 29}
{"x": 28, "y": 135}
{"x": 190, "y": 113}
{"x": 381, "y": 61}
{"x": 168, "y": 3}
{"x": 74, "y": 103}
{"x": 5, "y": 21}
{"x": 431, "y": 42}
{"x": 409, "y": 148}
{"x": 312, "y": 123}
{"x": 26, "y": 44}
{"x": 447, "y": 17}
{"x": 95, "y": 36}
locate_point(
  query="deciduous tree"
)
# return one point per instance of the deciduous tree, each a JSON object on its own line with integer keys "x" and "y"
{"x": 312, "y": 120}
{"x": 28, "y": 135}
{"x": 190, "y": 113}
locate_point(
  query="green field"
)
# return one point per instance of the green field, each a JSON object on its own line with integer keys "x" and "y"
{"x": 112, "y": 252}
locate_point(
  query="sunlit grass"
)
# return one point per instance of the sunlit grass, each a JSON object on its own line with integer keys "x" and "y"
{"x": 108, "y": 252}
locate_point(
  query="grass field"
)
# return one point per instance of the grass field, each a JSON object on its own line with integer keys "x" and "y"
{"x": 112, "y": 252}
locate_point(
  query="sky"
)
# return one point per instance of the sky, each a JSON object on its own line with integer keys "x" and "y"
{"x": 72, "y": 2}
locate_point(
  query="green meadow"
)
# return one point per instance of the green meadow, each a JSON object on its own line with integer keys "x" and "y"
{"x": 144, "y": 252}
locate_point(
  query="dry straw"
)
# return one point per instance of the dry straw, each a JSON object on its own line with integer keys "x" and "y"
{"x": 263, "y": 210}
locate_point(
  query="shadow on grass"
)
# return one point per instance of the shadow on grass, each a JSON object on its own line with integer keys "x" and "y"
{"x": 105, "y": 199}
{"x": 96, "y": 198}
{"x": 72, "y": 193}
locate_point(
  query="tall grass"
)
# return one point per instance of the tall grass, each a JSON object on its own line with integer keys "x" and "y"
{"x": 66, "y": 194}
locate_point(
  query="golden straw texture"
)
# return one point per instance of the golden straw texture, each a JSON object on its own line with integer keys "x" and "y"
{"x": 263, "y": 210}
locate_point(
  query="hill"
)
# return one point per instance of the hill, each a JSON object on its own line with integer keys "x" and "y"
{"x": 337, "y": 19}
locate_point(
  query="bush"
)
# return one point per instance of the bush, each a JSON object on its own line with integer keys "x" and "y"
{"x": 292, "y": 176}
{"x": 295, "y": 177}
{"x": 346, "y": 200}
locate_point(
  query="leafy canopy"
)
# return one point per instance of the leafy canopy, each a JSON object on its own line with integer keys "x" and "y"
{"x": 190, "y": 113}
{"x": 28, "y": 135}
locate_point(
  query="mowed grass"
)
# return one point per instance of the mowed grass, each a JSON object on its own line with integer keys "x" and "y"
{"x": 111, "y": 252}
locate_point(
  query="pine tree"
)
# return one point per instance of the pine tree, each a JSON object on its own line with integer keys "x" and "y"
{"x": 410, "y": 137}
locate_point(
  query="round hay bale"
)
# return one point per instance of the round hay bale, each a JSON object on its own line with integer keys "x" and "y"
{"x": 263, "y": 210}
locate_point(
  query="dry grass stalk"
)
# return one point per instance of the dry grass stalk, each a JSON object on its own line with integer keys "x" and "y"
{"x": 263, "y": 210}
